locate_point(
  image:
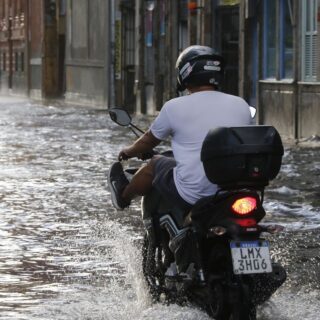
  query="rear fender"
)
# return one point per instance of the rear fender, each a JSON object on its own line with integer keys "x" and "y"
{"x": 158, "y": 214}
{"x": 154, "y": 206}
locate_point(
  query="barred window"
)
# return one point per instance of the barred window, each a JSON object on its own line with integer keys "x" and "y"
{"x": 310, "y": 40}
{"x": 277, "y": 39}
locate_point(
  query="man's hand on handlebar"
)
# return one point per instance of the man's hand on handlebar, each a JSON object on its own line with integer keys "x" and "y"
{"x": 123, "y": 155}
{"x": 146, "y": 155}
{"x": 141, "y": 148}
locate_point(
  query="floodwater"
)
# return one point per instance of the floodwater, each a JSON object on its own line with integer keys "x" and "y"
{"x": 65, "y": 253}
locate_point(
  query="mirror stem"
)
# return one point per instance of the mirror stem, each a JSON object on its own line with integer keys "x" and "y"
{"x": 134, "y": 131}
{"x": 135, "y": 127}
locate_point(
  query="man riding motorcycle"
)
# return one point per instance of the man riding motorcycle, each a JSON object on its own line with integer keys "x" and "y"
{"x": 187, "y": 119}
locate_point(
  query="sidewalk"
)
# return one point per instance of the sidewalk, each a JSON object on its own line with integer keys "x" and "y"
{"x": 12, "y": 99}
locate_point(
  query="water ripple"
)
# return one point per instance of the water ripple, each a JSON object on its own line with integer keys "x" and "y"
{"x": 66, "y": 253}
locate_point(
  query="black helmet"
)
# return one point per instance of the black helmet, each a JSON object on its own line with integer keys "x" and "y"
{"x": 199, "y": 65}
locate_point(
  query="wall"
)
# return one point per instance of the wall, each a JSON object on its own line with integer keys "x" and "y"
{"x": 292, "y": 107}
{"x": 309, "y": 110}
{"x": 277, "y": 107}
{"x": 86, "y": 74}
{"x": 13, "y": 75}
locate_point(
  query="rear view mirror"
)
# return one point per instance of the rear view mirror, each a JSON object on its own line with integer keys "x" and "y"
{"x": 120, "y": 116}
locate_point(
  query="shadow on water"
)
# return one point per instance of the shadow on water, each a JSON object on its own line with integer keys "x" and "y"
{"x": 65, "y": 253}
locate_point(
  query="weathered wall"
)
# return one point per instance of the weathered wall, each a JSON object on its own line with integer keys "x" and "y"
{"x": 277, "y": 107}
{"x": 293, "y": 110}
{"x": 86, "y": 50}
{"x": 85, "y": 83}
{"x": 309, "y": 110}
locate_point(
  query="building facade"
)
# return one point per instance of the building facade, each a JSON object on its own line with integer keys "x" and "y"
{"x": 280, "y": 63}
{"x": 123, "y": 53}
{"x": 87, "y": 71}
{"x": 31, "y": 51}
{"x": 13, "y": 45}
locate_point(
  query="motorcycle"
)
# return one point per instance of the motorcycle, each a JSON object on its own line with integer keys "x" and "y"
{"x": 231, "y": 271}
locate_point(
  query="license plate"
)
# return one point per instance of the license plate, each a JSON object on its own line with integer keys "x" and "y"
{"x": 250, "y": 257}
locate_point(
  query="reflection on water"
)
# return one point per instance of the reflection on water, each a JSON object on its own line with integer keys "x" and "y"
{"x": 65, "y": 253}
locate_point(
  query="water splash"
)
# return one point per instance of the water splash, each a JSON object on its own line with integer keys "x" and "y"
{"x": 123, "y": 295}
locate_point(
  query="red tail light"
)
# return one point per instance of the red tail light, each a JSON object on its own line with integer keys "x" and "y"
{"x": 244, "y": 205}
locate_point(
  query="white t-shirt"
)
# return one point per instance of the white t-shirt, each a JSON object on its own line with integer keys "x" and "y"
{"x": 188, "y": 119}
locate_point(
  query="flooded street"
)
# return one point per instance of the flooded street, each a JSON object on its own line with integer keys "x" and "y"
{"x": 65, "y": 253}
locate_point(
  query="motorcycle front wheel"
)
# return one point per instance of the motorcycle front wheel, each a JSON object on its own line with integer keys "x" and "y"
{"x": 152, "y": 271}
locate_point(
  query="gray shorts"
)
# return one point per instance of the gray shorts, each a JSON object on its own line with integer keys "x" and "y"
{"x": 163, "y": 181}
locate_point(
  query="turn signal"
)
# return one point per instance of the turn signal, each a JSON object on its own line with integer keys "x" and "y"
{"x": 244, "y": 206}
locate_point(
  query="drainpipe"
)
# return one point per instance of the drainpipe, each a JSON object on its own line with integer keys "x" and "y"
{"x": 107, "y": 91}
{"x": 140, "y": 55}
{"x": 242, "y": 49}
{"x": 10, "y": 50}
{"x": 27, "y": 46}
{"x": 192, "y": 22}
{"x": 111, "y": 70}
{"x": 150, "y": 48}
{"x": 137, "y": 57}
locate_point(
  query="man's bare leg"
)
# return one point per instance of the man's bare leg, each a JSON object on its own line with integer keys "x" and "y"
{"x": 141, "y": 182}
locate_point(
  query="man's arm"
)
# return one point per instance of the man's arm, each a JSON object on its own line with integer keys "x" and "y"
{"x": 144, "y": 144}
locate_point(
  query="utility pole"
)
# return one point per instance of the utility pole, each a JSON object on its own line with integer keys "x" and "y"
{"x": 242, "y": 43}
{"x": 207, "y": 30}
{"x": 192, "y": 21}
{"x": 107, "y": 63}
{"x": 10, "y": 49}
{"x": 50, "y": 51}
{"x": 149, "y": 58}
{"x": 171, "y": 48}
{"x": 118, "y": 53}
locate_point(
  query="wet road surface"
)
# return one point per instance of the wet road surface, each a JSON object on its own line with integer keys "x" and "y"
{"x": 65, "y": 253}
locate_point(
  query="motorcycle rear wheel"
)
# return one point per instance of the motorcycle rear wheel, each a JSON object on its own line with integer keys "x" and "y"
{"x": 244, "y": 314}
{"x": 229, "y": 300}
{"x": 220, "y": 308}
{"x": 217, "y": 308}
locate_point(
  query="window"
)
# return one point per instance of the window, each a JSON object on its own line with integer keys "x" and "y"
{"x": 277, "y": 39}
{"x": 62, "y": 7}
{"x": 310, "y": 43}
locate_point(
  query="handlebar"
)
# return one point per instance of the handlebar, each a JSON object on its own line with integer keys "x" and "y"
{"x": 143, "y": 156}
{"x": 149, "y": 155}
